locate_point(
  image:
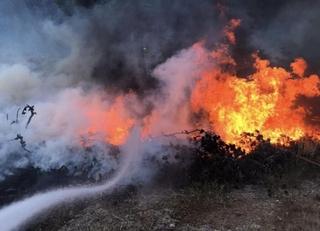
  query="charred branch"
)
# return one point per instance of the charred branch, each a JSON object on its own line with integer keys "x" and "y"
{"x": 22, "y": 142}
{"x": 30, "y": 109}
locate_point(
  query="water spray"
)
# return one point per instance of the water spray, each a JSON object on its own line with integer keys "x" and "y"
{"x": 19, "y": 213}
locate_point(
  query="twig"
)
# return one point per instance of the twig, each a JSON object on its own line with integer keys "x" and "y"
{"x": 309, "y": 161}
{"x": 184, "y": 132}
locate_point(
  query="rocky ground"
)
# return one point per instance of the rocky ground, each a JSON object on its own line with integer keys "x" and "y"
{"x": 289, "y": 202}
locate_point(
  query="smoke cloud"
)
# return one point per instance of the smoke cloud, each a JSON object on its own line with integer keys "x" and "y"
{"x": 23, "y": 210}
{"x": 68, "y": 60}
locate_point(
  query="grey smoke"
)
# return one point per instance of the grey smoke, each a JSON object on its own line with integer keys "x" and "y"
{"x": 55, "y": 60}
{"x": 280, "y": 29}
{"x": 17, "y": 214}
{"x": 291, "y": 32}
{"x": 132, "y": 37}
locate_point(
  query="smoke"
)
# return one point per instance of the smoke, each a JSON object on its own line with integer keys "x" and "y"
{"x": 116, "y": 43}
{"x": 135, "y": 153}
{"x": 291, "y": 32}
{"x": 186, "y": 67}
{"x": 17, "y": 83}
{"x": 281, "y": 30}
{"x": 71, "y": 65}
{"x": 134, "y": 37}
{"x": 24, "y": 210}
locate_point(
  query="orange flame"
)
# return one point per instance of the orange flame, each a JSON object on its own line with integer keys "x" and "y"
{"x": 112, "y": 122}
{"x": 232, "y": 106}
{"x": 264, "y": 101}
{"x": 299, "y": 66}
{"x": 229, "y": 30}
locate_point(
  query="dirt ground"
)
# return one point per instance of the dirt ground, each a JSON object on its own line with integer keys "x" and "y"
{"x": 281, "y": 206}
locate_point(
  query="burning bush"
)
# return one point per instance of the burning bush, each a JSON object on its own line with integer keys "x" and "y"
{"x": 216, "y": 161}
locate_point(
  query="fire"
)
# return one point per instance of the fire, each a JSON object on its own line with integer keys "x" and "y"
{"x": 299, "y": 66}
{"x": 264, "y": 101}
{"x": 111, "y": 121}
{"x": 229, "y": 30}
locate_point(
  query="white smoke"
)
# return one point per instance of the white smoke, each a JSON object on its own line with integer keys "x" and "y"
{"x": 17, "y": 83}
{"x": 44, "y": 62}
{"x": 51, "y": 70}
{"x": 18, "y": 213}
{"x": 48, "y": 61}
{"x": 53, "y": 136}
{"x": 178, "y": 76}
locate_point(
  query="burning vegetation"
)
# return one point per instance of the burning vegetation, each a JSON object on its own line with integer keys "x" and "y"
{"x": 229, "y": 116}
{"x": 240, "y": 127}
{"x": 264, "y": 103}
{"x": 226, "y": 116}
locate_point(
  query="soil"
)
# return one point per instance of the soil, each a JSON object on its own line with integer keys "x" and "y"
{"x": 284, "y": 204}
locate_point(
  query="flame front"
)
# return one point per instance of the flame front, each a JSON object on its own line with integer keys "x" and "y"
{"x": 264, "y": 102}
